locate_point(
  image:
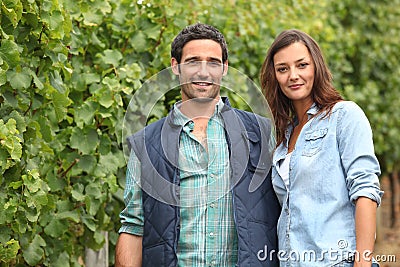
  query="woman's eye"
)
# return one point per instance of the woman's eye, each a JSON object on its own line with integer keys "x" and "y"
{"x": 303, "y": 65}
{"x": 283, "y": 69}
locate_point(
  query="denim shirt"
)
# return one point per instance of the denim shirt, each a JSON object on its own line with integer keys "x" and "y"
{"x": 333, "y": 164}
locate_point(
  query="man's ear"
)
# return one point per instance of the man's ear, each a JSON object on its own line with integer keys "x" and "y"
{"x": 225, "y": 65}
{"x": 175, "y": 66}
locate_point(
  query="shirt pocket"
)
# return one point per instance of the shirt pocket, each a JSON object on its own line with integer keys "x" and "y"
{"x": 313, "y": 141}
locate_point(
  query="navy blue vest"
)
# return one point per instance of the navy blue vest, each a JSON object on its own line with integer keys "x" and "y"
{"x": 256, "y": 207}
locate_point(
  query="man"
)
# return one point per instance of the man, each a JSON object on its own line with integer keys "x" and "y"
{"x": 189, "y": 195}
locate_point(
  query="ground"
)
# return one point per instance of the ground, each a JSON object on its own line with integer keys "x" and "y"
{"x": 387, "y": 246}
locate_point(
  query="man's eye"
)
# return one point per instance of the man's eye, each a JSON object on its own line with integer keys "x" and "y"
{"x": 214, "y": 64}
{"x": 193, "y": 63}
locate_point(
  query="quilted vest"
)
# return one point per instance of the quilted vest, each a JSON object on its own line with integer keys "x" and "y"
{"x": 256, "y": 208}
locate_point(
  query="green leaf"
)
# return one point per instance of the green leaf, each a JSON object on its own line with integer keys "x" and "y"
{"x": 32, "y": 181}
{"x": 36, "y": 80}
{"x": 62, "y": 260}
{"x": 13, "y": 10}
{"x": 5, "y": 233}
{"x": 105, "y": 145}
{"x": 9, "y": 250}
{"x": 106, "y": 99}
{"x": 88, "y": 162}
{"x": 72, "y": 215}
{"x": 85, "y": 140}
{"x": 111, "y": 57}
{"x": 60, "y": 102}
{"x": 154, "y": 32}
{"x": 45, "y": 129}
{"x": 77, "y": 192}
{"x": 99, "y": 237}
{"x": 37, "y": 199}
{"x": 34, "y": 252}
{"x": 93, "y": 190}
{"x": 91, "y": 78}
{"x": 16, "y": 185}
{"x": 57, "y": 82}
{"x": 32, "y": 215}
{"x": 9, "y": 52}
{"x": 55, "y": 184}
{"x": 111, "y": 162}
{"x": 20, "y": 121}
{"x": 9, "y": 140}
{"x": 3, "y": 76}
{"x": 90, "y": 222}
{"x": 85, "y": 113}
{"x": 55, "y": 228}
{"x": 19, "y": 80}
{"x": 139, "y": 41}
{"x": 56, "y": 24}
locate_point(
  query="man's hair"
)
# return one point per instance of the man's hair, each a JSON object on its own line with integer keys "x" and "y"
{"x": 198, "y": 31}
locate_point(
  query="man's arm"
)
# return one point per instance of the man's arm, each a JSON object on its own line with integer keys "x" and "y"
{"x": 128, "y": 251}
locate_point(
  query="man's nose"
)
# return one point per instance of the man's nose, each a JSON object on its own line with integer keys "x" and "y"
{"x": 203, "y": 69}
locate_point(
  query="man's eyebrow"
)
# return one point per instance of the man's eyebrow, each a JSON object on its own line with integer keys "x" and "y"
{"x": 198, "y": 58}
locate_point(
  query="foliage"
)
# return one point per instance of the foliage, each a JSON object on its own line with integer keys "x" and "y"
{"x": 68, "y": 70}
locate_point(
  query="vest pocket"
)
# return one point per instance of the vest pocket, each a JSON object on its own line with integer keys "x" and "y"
{"x": 154, "y": 255}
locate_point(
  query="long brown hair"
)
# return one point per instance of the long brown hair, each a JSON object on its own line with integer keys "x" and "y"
{"x": 324, "y": 95}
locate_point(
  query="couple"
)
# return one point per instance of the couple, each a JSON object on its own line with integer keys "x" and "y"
{"x": 315, "y": 207}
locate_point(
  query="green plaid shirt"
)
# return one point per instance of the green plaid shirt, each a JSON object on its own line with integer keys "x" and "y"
{"x": 208, "y": 235}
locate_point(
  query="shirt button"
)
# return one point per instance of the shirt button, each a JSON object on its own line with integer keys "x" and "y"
{"x": 211, "y": 234}
{"x": 212, "y": 205}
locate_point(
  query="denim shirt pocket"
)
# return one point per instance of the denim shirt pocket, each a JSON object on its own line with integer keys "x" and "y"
{"x": 313, "y": 141}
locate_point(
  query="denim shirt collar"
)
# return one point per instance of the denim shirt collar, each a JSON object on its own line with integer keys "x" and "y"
{"x": 282, "y": 150}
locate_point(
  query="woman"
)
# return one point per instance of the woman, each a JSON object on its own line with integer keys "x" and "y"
{"x": 325, "y": 172}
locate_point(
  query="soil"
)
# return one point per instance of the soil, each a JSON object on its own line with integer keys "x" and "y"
{"x": 387, "y": 246}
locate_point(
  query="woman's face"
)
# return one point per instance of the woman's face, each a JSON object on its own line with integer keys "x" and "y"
{"x": 295, "y": 71}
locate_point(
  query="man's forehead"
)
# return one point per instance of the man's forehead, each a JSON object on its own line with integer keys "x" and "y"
{"x": 202, "y": 48}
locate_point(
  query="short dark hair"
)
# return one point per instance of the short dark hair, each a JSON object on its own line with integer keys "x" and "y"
{"x": 196, "y": 32}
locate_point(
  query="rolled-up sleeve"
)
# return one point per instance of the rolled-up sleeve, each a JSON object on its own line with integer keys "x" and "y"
{"x": 357, "y": 154}
{"x": 131, "y": 216}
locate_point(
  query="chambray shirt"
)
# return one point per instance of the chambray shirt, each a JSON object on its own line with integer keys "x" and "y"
{"x": 332, "y": 165}
{"x": 207, "y": 234}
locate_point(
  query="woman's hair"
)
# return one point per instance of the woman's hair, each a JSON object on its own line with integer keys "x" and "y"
{"x": 324, "y": 95}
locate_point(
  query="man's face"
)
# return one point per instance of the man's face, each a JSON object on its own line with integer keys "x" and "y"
{"x": 200, "y": 70}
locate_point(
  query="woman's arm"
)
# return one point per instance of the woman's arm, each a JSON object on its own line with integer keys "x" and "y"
{"x": 365, "y": 231}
